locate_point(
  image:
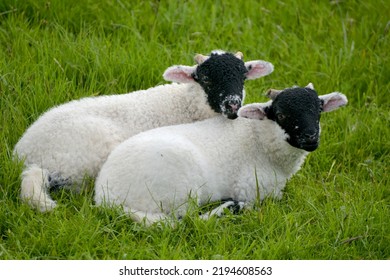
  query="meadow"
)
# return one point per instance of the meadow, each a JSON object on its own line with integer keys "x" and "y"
{"x": 336, "y": 207}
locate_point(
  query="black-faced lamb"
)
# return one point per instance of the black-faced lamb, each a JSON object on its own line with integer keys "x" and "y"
{"x": 153, "y": 174}
{"x": 73, "y": 140}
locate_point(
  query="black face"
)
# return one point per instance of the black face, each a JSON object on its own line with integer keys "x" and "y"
{"x": 297, "y": 111}
{"x": 222, "y": 77}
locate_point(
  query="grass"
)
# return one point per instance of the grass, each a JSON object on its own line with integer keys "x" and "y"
{"x": 336, "y": 207}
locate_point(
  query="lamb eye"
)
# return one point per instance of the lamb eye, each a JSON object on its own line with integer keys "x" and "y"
{"x": 280, "y": 116}
{"x": 206, "y": 80}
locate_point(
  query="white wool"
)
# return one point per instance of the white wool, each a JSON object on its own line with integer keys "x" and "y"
{"x": 79, "y": 126}
{"x": 218, "y": 52}
{"x": 76, "y": 138}
{"x": 153, "y": 173}
{"x": 73, "y": 140}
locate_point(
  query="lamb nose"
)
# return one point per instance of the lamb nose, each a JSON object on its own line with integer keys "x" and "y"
{"x": 311, "y": 136}
{"x": 232, "y": 106}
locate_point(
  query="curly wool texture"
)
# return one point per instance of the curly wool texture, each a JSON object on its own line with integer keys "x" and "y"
{"x": 152, "y": 174}
{"x": 73, "y": 140}
{"x": 77, "y": 137}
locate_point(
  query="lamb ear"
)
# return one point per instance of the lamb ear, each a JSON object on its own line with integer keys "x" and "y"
{"x": 258, "y": 68}
{"x": 272, "y": 93}
{"x": 200, "y": 58}
{"x": 310, "y": 85}
{"x": 239, "y": 55}
{"x": 333, "y": 101}
{"x": 179, "y": 74}
{"x": 252, "y": 111}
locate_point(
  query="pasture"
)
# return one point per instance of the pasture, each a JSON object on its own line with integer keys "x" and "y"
{"x": 336, "y": 207}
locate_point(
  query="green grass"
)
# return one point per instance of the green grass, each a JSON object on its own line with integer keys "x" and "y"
{"x": 336, "y": 207}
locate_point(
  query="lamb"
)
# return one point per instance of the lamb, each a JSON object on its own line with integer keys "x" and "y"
{"x": 153, "y": 174}
{"x": 73, "y": 140}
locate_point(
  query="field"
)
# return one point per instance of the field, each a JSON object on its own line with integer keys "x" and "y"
{"x": 336, "y": 207}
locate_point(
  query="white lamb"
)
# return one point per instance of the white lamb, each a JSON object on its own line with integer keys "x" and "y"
{"x": 73, "y": 140}
{"x": 152, "y": 175}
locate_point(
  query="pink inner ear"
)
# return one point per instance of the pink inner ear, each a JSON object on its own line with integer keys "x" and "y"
{"x": 331, "y": 105}
{"x": 334, "y": 102}
{"x": 179, "y": 74}
{"x": 251, "y": 112}
{"x": 258, "y": 68}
